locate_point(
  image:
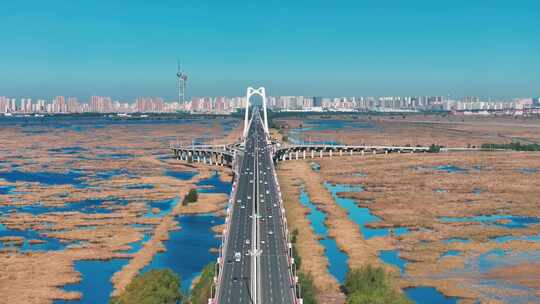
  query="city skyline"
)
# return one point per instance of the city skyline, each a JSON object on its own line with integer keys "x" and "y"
{"x": 350, "y": 48}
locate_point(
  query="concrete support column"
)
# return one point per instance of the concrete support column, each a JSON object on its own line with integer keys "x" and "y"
{"x": 363, "y": 152}
{"x": 352, "y": 152}
{"x": 320, "y": 153}
{"x": 385, "y": 151}
{"x": 290, "y": 155}
{"x": 312, "y": 153}
{"x": 304, "y": 154}
{"x": 330, "y": 153}
{"x": 374, "y": 152}
{"x": 340, "y": 152}
{"x": 399, "y": 151}
{"x": 296, "y": 154}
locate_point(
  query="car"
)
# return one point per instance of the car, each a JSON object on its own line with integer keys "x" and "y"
{"x": 247, "y": 242}
{"x": 262, "y": 200}
{"x": 251, "y": 181}
{"x": 266, "y": 183}
{"x": 262, "y": 242}
{"x": 242, "y": 206}
{"x": 249, "y": 197}
{"x": 275, "y": 205}
{"x": 239, "y": 201}
{"x": 270, "y": 216}
{"x": 270, "y": 232}
{"x": 267, "y": 192}
{"x": 237, "y": 256}
{"x": 268, "y": 209}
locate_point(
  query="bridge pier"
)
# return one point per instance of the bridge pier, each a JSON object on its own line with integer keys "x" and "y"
{"x": 330, "y": 153}
{"x": 312, "y": 153}
{"x": 352, "y": 152}
{"x": 296, "y": 154}
{"x": 320, "y": 154}
{"x": 304, "y": 154}
{"x": 340, "y": 152}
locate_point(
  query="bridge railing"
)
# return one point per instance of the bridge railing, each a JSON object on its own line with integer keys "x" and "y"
{"x": 224, "y": 242}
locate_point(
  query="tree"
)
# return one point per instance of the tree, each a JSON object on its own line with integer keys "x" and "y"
{"x": 191, "y": 197}
{"x": 434, "y": 148}
{"x": 202, "y": 290}
{"x": 153, "y": 287}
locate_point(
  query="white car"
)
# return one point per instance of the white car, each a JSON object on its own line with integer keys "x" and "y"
{"x": 247, "y": 242}
{"x": 270, "y": 232}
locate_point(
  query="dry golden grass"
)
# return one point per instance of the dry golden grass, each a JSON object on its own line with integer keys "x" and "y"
{"x": 309, "y": 248}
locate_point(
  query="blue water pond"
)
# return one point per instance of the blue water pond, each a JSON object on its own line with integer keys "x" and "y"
{"x": 91, "y": 206}
{"x": 361, "y": 215}
{"x": 449, "y": 169}
{"x": 337, "y": 259}
{"x": 510, "y": 221}
{"x": 181, "y": 175}
{"x": 428, "y": 295}
{"x": 68, "y": 150}
{"x": 188, "y": 249}
{"x": 6, "y": 189}
{"x": 48, "y": 245}
{"x": 392, "y": 257}
{"x": 44, "y": 177}
{"x": 95, "y": 284}
{"x": 214, "y": 184}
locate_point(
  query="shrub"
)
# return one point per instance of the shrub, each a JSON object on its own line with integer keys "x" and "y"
{"x": 369, "y": 285}
{"x": 191, "y": 197}
{"x": 155, "y": 286}
{"x": 307, "y": 288}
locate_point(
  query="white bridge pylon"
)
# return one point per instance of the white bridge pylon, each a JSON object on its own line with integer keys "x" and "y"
{"x": 250, "y": 92}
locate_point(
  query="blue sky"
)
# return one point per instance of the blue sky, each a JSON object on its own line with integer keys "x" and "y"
{"x": 331, "y": 48}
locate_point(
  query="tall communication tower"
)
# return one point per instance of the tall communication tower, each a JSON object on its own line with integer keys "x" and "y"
{"x": 182, "y": 80}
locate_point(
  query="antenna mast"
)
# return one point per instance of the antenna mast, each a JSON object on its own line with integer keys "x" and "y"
{"x": 182, "y": 81}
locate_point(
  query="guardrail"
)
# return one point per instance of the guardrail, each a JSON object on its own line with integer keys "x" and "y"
{"x": 224, "y": 241}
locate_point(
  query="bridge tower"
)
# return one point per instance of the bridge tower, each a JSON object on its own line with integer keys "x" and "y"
{"x": 250, "y": 92}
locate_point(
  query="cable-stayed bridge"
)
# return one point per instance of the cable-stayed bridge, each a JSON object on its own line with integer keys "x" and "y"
{"x": 255, "y": 263}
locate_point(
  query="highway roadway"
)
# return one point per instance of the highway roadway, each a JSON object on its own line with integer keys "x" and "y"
{"x": 262, "y": 273}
